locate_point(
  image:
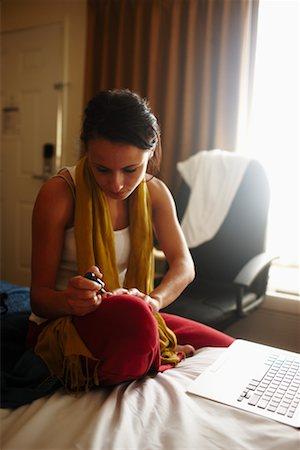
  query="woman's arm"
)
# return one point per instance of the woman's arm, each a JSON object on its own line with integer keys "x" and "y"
{"x": 52, "y": 214}
{"x": 172, "y": 242}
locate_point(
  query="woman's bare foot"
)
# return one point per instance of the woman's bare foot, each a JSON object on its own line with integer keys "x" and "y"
{"x": 187, "y": 349}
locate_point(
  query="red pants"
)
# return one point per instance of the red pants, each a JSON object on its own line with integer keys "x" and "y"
{"x": 122, "y": 333}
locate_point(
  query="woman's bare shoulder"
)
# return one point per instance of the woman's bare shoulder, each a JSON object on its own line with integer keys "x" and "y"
{"x": 58, "y": 186}
{"x": 159, "y": 191}
{"x": 54, "y": 201}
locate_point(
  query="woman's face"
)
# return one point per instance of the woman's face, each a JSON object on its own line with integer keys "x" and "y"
{"x": 117, "y": 168}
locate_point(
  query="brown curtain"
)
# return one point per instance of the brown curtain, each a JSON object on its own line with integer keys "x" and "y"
{"x": 192, "y": 59}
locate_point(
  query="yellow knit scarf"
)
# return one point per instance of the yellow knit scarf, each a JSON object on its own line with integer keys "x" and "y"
{"x": 95, "y": 246}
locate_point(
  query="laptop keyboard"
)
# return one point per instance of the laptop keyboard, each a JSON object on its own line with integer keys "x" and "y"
{"x": 278, "y": 389}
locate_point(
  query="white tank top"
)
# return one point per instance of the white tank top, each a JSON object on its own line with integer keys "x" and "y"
{"x": 68, "y": 264}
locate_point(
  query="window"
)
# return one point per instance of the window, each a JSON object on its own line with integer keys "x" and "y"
{"x": 274, "y": 131}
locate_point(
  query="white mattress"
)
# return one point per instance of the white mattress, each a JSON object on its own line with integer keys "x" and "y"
{"x": 154, "y": 413}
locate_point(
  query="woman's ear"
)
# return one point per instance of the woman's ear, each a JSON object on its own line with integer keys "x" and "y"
{"x": 153, "y": 161}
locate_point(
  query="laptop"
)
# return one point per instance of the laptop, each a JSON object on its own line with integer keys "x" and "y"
{"x": 257, "y": 378}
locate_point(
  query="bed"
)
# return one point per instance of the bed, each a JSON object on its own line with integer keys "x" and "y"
{"x": 148, "y": 414}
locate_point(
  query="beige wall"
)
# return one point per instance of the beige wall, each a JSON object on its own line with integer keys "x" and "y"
{"x": 20, "y": 14}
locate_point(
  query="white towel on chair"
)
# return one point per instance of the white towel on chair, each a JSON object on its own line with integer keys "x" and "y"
{"x": 213, "y": 177}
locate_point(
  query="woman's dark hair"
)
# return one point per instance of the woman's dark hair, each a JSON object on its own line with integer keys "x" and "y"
{"x": 123, "y": 116}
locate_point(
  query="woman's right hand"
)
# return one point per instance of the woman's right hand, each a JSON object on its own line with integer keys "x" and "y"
{"x": 82, "y": 295}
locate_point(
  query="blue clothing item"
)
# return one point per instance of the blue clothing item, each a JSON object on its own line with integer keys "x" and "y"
{"x": 24, "y": 376}
{"x": 14, "y": 298}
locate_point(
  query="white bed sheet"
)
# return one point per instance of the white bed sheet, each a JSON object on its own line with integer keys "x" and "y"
{"x": 154, "y": 413}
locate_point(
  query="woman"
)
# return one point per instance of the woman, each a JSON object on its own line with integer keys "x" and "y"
{"x": 100, "y": 216}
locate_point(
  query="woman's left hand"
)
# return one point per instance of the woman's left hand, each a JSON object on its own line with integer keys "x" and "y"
{"x": 153, "y": 302}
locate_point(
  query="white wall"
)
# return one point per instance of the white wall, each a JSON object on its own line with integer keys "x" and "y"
{"x": 20, "y": 14}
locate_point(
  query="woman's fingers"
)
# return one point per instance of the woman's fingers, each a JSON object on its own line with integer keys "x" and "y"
{"x": 96, "y": 271}
{"x": 120, "y": 291}
{"x": 136, "y": 292}
{"x": 152, "y": 302}
{"x": 83, "y": 295}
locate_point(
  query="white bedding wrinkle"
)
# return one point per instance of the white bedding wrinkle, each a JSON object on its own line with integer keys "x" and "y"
{"x": 150, "y": 414}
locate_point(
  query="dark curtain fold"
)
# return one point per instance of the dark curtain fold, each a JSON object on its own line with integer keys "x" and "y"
{"x": 192, "y": 59}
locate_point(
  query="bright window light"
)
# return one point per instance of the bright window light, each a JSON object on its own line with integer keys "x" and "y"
{"x": 274, "y": 125}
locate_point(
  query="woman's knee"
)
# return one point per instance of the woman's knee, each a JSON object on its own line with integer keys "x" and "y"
{"x": 123, "y": 336}
{"x": 121, "y": 322}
